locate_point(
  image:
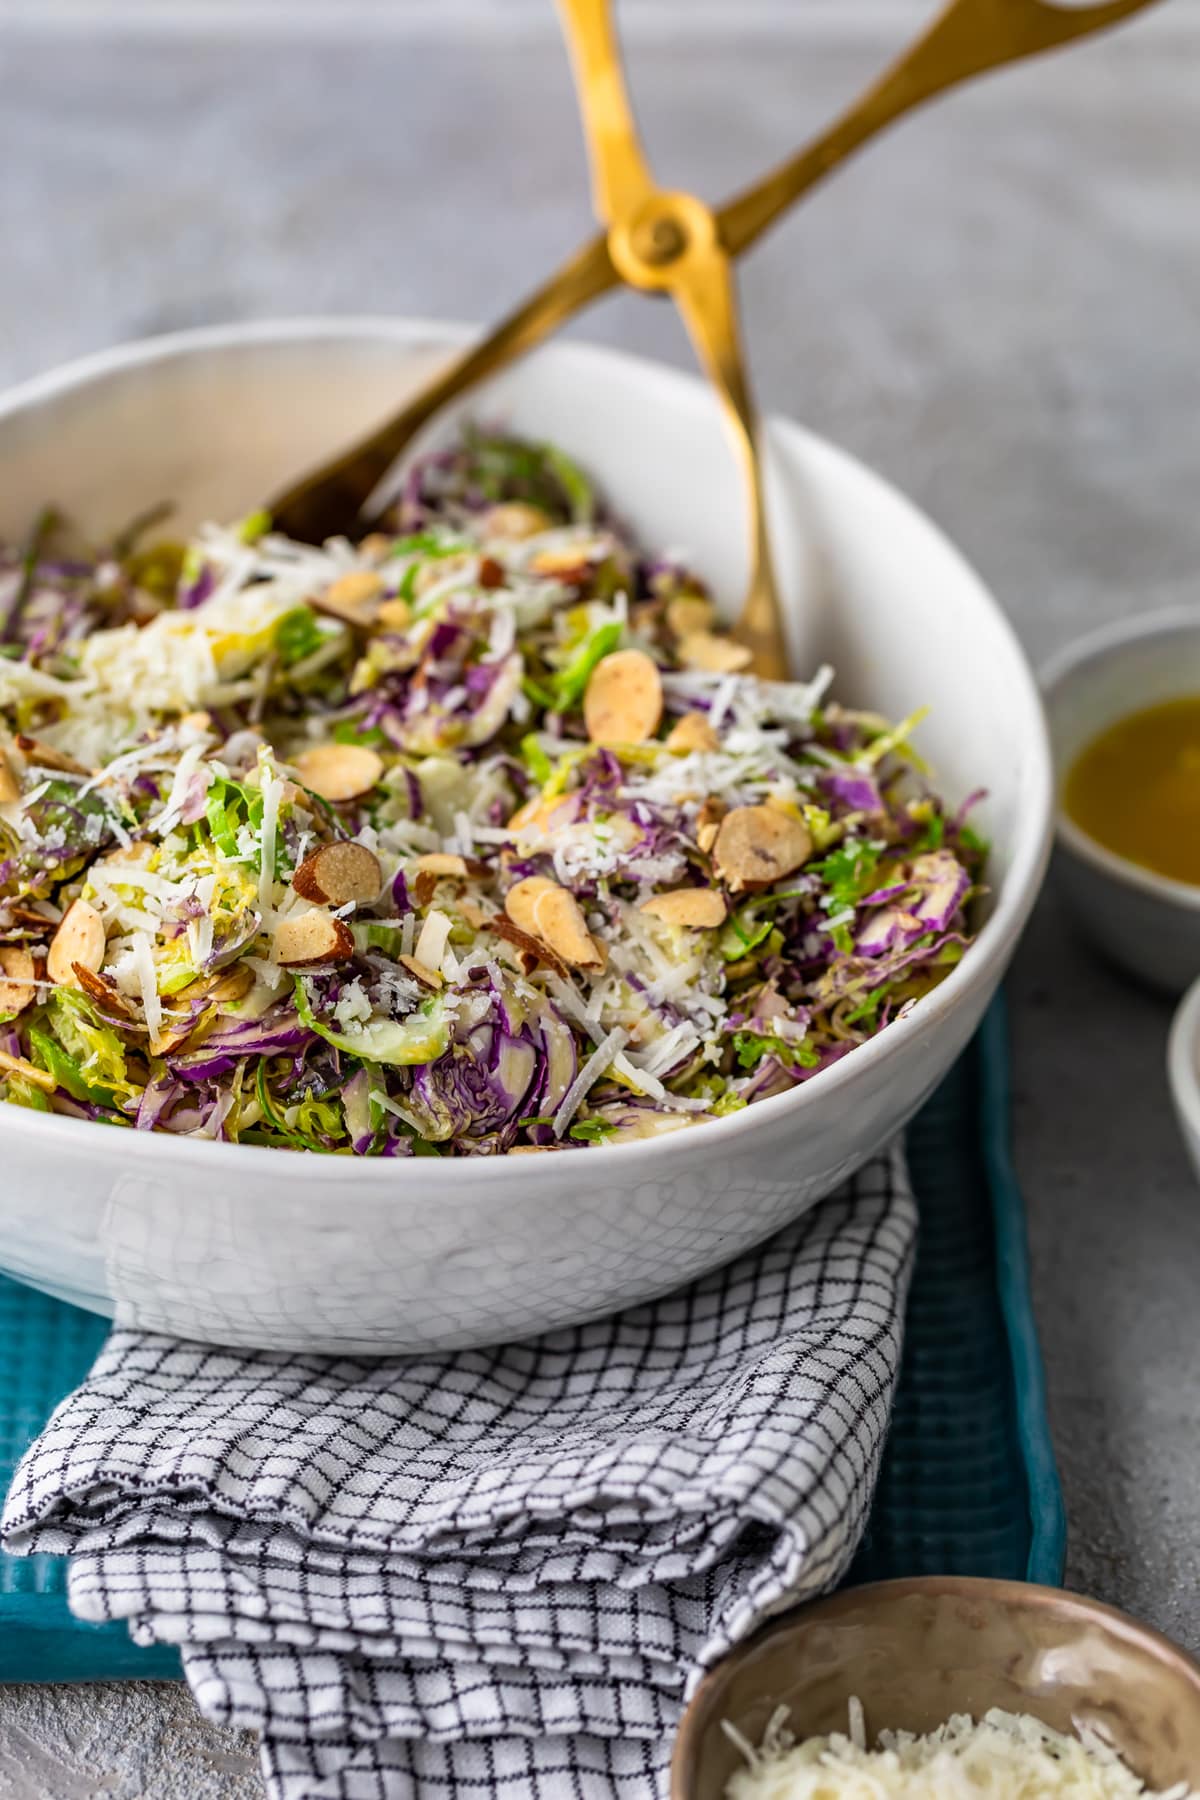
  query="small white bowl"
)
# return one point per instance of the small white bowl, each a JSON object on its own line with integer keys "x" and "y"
{"x": 1145, "y": 922}
{"x": 1183, "y": 1069}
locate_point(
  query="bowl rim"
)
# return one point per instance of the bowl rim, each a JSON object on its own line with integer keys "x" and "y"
{"x": 1031, "y": 842}
{"x": 1183, "y": 1075}
{"x": 1105, "y": 644}
{"x": 993, "y": 1590}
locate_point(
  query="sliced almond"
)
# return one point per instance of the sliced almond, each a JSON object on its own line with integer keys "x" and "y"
{"x": 230, "y": 986}
{"x": 623, "y": 702}
{"x": 339, "y": 771}
{"x": 716, "y": 655}
{"x": 690, "y": 615}
{"x": 376, "y": 546}
{"x": 28, "y": 918}
{"x": 700, "y": 908}
{"x": 491, "y": 573}
{"x": 103, "y": 989}
{"x": 692, "y": 732}
{"x": 537, "y": 814}
{"x": 520, "y": 898}
{"x": 756, "y": 845}
{"x": 424, "y": 887}
{"x": 17, "y": 989}
{"x": 559, "y": 922}
{"x": 514, "y": 519}
{"x": 351, "y": 597}
{"x": 10, "y": 787}
{"x": 339, "y": 875}
{"x": 533, "y": 950}
{"x": 16, "y": 1065}
{"x": 79, "y": 939}
{"x": 47, "y": 757}
{"x": 394, "y": 615}
{"x": 428, "y": 978}
{"x": 570, "y": 563}
{"x": 196, "y": 721}
{"x": 306, "y": 939}
{"x": 708, "y": 821}
{"x": 474, "y": 915}
{"x": 446, "y": 862}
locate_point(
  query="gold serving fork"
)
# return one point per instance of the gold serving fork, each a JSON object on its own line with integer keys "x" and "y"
{"x": 663, "y": 241}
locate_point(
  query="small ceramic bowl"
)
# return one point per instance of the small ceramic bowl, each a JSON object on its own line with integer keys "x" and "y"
{"x": 1146, "y": 923}
{"x": 916, "y": 1651}
{"x": 1183, "y": 1070}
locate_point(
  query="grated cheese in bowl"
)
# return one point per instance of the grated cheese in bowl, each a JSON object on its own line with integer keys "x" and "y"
{"x": 1005, "y": 1756}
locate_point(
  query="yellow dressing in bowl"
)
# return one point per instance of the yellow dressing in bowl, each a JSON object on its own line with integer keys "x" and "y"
{"x": 1136, "y": 788}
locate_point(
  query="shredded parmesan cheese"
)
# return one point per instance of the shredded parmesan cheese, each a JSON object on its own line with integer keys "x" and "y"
{"x": 1005, "y": 1756}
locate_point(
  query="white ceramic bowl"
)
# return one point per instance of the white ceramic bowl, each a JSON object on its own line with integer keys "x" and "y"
{"x": 247, "y": 1245}
{"x": 1183, "y": 1070}
{"x": 1144, "y": 922}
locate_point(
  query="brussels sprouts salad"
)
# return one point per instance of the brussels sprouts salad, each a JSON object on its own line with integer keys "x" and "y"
{"x": 473, "y": 837}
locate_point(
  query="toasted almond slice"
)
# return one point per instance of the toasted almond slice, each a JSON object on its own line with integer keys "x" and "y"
{"x": 103, "y": 989}
{"x": 520, "y": 898}
{"x": 559, "y": 922}
{"x": 690, "y": 615}
{"x": 394, "y": 615}
{"x": 17, "y": 988}
{"x": 339, "y": 771}
{"x": 339, "y": 875}
{"x": 446, "y": 862}
{"x": 230, "y": 986}
{"x": 533, "y": 950}
{"x": 16, "y": 1065}
{"x": 47, "y": 757}
{"x": 10, "y": 787}
{"x": 531, "y": 1149}
{"x": 717, "y": 655}
{"x": 307, "y": 939}
{"x": 708, "y": 821}
{"x": 491, "y": 573}
{"x": 701, "y": 908}
{"x": 376, "y": 546}
{"x": 514, "y": 519}
{"x": 623, "y": 702}
{"x": 351, "y": 597}
{"x": 424, "y": 887}
{"x": 692, "y": 732}
{"x": 567, "y": 562}
{"x": 429, "y": 978}
{"x": 79, "y": 939}
{"x": 27, "y": 917}
{"x": 474, "y": 915}
{"x": 756, "y": 845}
{"x": 196, "y": 721}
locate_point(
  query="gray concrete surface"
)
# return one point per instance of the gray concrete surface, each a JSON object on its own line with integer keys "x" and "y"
{"x": 999, "y": 308}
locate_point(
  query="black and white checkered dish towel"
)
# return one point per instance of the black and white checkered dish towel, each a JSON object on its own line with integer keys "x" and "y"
{"x": 492, "y": 1572}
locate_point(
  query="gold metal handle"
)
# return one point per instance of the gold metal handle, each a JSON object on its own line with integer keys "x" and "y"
{"x": 648, "y": 233}
{"x": 663, "y": 241}
{"x": 620, "y": 177}
{"x": 967, "y": 39}
{"x": 706, "y": 295}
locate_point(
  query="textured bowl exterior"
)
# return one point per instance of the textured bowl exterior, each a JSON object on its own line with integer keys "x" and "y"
{"x": 247, "y": 1246}
{"x": 914, "y": 1652}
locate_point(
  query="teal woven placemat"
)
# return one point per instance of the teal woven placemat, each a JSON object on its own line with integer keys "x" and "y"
{"x": 968, "y": 1483}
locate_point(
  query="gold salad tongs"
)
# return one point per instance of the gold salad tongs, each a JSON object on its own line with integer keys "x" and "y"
{"x": 662, "y": 241}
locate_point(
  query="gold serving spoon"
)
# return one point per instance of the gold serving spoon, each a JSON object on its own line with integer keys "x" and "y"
{"x": 661, "y": 241}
